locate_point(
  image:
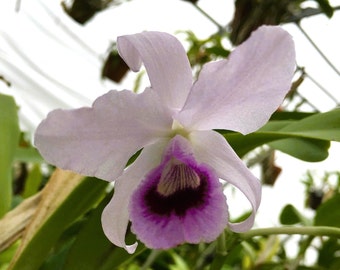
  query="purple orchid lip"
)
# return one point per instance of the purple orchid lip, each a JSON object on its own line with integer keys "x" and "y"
{"x": 178, "y": 201}
{"x": 177, "y": 176}
{"x": 179, "y": 193}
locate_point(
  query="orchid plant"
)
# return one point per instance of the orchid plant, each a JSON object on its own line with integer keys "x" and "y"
{"x": 172, "y": 193}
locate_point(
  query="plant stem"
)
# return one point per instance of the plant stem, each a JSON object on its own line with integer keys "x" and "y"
{"x": 221, "y": 29}
{"x": 306, "y": 230}
{"x": 317, "y": 48}
{"x": 151, "y": 258}
{"x": 224, "y": 243}
{"x": 305, "y": 13}
{"x": 220, "y": 254}
{"x": 221, "y": 247}
{"x": 303, "y": 248}
{"x": 322, "y": 88}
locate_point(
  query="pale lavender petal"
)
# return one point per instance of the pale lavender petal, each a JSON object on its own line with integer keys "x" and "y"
{"x": 115, "y": 216}
{"x": 98, "y": 141}
{"x": 165, "y": 61}
{"x": 242, "y": 92}
{"x": 210, "y": 147}
{"x": 187, "y": 215}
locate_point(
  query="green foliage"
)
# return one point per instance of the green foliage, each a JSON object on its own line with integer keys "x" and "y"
{"x": 202, "y": 51}
{"x": 7, "y": 255}
{"x": 9, "y": 137}
{"x": 312, "y": 131}
{"x": 326, "y": 7}
{"x": 290, "y": 215}
{"x": 327, "y": 214}
{"x": 77, "y": 198}
{"x": 328, "y": 258}
{"x": 28, "y": 154}
{"x": 310, "y": 150}
{"x": 33, "y": 181}
{"x": 92, "y": 250}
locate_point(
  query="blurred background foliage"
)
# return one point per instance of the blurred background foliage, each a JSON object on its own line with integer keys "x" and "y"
{"x": 51, "y": 218}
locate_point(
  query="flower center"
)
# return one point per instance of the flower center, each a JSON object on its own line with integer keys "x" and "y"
{"x": 178, "y": 129}
{"x": 177, "y": 176}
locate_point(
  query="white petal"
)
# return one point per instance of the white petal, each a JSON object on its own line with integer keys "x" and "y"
{"x": 98, "y": 141}
{"x": 242, "y": 92}
{"x": 115, "y": 217}
{"x": 210, "y": 147}
{"x": 165, "y": 61}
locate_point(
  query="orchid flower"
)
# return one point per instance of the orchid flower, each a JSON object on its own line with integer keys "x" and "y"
{"x": 172, "y": 193}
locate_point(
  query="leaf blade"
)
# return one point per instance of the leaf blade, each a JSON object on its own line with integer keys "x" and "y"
{"x": 9, "y": 137}
{"x": 65, "y": 198}
{"x": 322, "y": 127}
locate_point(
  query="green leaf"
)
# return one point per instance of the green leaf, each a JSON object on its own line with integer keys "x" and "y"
{"x": 90, "y": 245}
{"x": 310, "y": 150}
{"x": 327, "y": 213}
{"x": 118, "y": 256}
{"x": 56, "y": 261}
{"x": 322, "y": 126}
{"x": 92, "y": 250}
{"x": 294, "y": 115}
{"x": 7, "y": 255}
{"x": 33, "y": 181}
{"x": 242, "y": 144}
{"x": 328, "y": 254}
{"x": 290, "y": 215}
{"x": 218, "y": 51}
{"x": 28, "y": 154}
{"x": 179, "y": 262}
{"x": 66, "y": 197}
{"x": 15, "y": 221}
{"x": 326, "y": 7}
{"x": 9, "y": 137}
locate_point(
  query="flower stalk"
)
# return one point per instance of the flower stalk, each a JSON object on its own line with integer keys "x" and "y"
{"x": 317, "y": 48}
{"x": 290, "y": 230}
{"x": 221, "y": 29}
{"x": 221, "y": 247}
